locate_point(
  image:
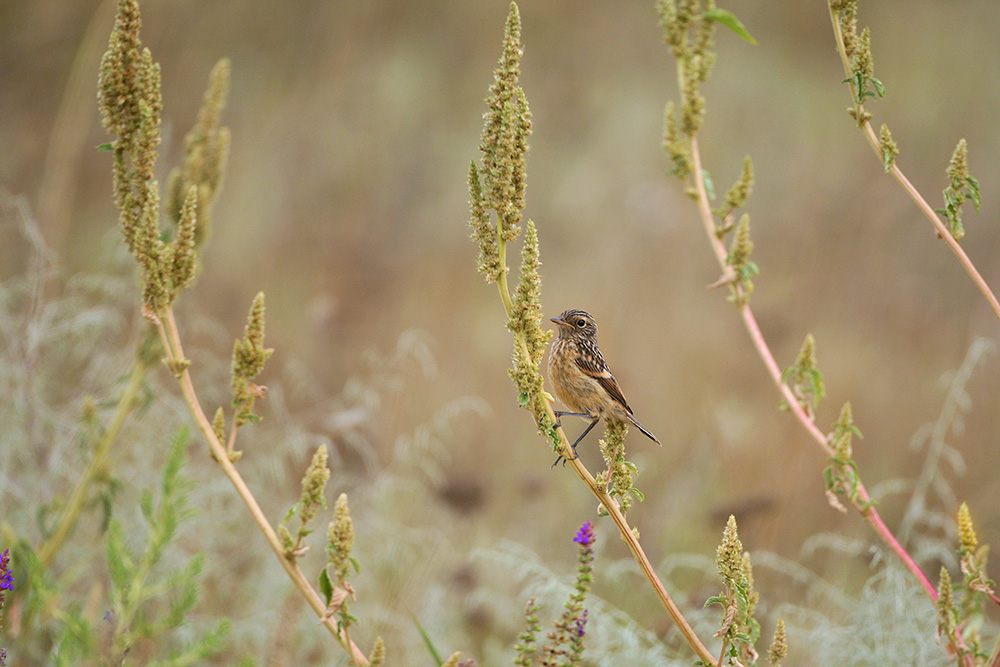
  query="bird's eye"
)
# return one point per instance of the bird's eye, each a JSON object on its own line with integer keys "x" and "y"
{"x": 581, "y": 323}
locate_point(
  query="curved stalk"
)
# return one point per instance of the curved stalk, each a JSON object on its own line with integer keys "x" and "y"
{"x": 925, "y": 208}
{"x": 172, "y": 343}
{"x": 870, "y": 514}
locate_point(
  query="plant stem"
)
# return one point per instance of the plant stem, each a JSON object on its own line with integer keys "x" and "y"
{"x": 870, "y": 514}
{"x": 502, "y": 281}
{"x": 98, "y": 464}
{"x": 925, "y": 208}
{"x": 627, "y": 536}
{"x": 172, "y": 343}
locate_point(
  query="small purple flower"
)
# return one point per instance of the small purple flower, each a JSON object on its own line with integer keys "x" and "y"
{"x": 585, "y": 536}
{"x": 6, "y": 580}
{"x": 581, "y": 622}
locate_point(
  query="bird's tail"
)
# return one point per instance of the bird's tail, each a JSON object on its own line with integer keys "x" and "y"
{"x": 635, "y": 422}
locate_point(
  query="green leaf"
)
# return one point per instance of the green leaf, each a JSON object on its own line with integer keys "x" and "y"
{"x": 973, "y": 191}
{"x": 355, "y": 564}
{"x": 292, "y": 511}
{"x": 325, "y": 585}
{"x": 728, "y": 19}
{"x": 878, "y": 86}
{"x": 709, "y": 184}
{"x": 438, "y": 660}
{"x": 637, "y": 493}
{"x": 106, "y": 148}
{"x": 522, "y": 400}
{"x": 859, "y": 86}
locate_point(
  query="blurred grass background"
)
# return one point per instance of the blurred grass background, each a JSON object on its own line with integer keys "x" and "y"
{"x": 345, "y": 202}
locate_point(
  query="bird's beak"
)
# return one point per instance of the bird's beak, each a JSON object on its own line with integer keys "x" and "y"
{"x": 561, "y": 322}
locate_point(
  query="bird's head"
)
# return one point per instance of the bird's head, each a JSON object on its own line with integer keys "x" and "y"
{"x": 576, "y": 324}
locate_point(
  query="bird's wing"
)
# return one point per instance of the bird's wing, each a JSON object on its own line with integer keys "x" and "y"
{"x": 598, "y": 369}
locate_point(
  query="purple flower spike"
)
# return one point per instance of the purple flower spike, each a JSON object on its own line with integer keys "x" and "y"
{"x": 585, "y": 536}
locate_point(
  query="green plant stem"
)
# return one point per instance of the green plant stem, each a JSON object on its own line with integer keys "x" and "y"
{"x": 98, "y": 464}
{"x": 925, "y": 208}
{"x": 172, "y": 343}
{"x": 131, "y": 599}
{"x": 502, "y": 281}
{"x": 624, "y": 529}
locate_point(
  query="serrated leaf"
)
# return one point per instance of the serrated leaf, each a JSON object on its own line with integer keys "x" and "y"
{"x": 709, "y": 184}
{"x": 325, "y": 585}
{"x": 292, "y": 511}
{"x": 726, "y": 18}
{"x": 858, "y": 82}
{"x": 973, "y": 191}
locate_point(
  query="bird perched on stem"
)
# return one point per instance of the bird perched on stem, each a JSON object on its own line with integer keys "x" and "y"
{"x": 582, "y": 379}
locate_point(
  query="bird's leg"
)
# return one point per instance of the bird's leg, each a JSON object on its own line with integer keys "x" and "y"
{"x": 560, "y": 414}
{"x": 577, "y": 441}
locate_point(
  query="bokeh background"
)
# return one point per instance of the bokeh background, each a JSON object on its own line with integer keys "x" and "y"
{"x": 345, "y": 201}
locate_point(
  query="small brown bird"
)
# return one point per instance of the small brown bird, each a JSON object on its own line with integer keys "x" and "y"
{"x": 581, "y": 377}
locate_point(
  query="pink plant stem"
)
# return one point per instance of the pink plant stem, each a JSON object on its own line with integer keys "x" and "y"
{"x": 925, "y": 208}
{"x": 757, "y": 338}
